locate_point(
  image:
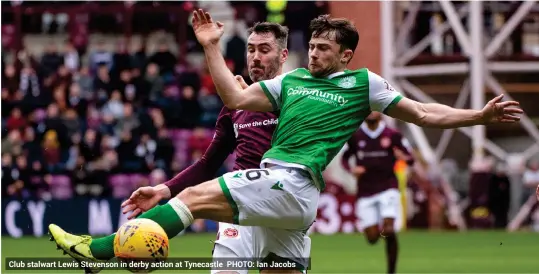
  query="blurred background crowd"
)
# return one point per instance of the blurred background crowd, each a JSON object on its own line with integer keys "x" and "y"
{"x": 99, "y": 98}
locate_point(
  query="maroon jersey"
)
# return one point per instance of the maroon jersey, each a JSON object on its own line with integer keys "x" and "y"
{"x": 246, "y": 133}
{"x": 374, "y": 151}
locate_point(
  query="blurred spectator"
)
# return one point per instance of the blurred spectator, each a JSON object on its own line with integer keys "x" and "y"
{"x": 102, "y": 83}
{"x": 189, "y": 76}
{"x": 211, "y": 106}
{"x": 100, "y": 57}
{"x": 129, "y": 120}
{"x": 198, "y": 142}
{"x": 76, "y": 100}
{"x": 12, "y": 145}
{"x": 16, "y": 121}
{"x": 31, "y": 146}
{"x": 164, "y": 153}
{"x": 146, "y": 150}
{"x": 10, "y": 79}
{"x": 138, "y": 58}
{"x": 156, "y": 83}
{"x": 51, "y": 150}
{"x": 235, "y": 51}
{"x": 164, "y": 59}
{"x": 85, "y": 82}
{"x": 190, "y": 110}
{"x": 89, "y": 146}
{"x": 157, "y": 177}
{"x": 51, "y": 60}
{"x": 129, "y": 160}
{"x": 71, "y": 57}
{"x": 71, "y": 121}
{"x": 114, "y": 105}
{"x": 121, "y": 59}
{"x": 499, "y": 196}
{"x": 29, "y": 84}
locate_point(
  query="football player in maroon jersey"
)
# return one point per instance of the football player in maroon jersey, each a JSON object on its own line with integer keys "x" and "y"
{"x": 375, "y": 148}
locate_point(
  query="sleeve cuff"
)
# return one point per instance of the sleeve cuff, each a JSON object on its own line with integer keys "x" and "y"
{"x": 393, "y": 103}
{"x": 270, "y": 97}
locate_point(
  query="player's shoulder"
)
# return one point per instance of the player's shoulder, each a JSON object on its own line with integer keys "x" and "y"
{"x": 393, "y": 132}
{"x": 295, "y": 73}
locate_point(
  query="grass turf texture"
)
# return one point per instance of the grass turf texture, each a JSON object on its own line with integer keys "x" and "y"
{"x": 420, "y": 252}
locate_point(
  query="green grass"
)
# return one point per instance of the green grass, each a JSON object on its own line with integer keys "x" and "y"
{"x": 420, "y": 252}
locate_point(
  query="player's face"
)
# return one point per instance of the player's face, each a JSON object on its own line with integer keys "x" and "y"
{"x": 373, "y": 118}
{"x": 264, "y": 56}
{"x": 325, "y": 56}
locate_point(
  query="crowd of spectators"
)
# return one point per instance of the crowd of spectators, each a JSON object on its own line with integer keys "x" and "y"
{"x": 114, "y": 114}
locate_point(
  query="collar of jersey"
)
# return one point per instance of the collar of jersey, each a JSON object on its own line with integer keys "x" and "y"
{"x": 373, "y": 134}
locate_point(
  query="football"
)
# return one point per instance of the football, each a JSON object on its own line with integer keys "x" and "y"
{"x": 140, "y": 240}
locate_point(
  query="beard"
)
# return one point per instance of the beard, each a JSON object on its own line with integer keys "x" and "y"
{"x": 269, "y": 72}
{"x": 323, "y": 72}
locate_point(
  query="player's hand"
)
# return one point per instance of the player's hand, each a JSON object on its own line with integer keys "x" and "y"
{"x": 206, "y": 31}
{"x": 358, "y": 170}
{"x": 496, "y": 111}
{"x": 142, "y": 200}
{"x": 241, "y": 82}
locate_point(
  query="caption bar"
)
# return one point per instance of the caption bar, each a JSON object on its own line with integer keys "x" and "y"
{"x": 169, "y": 264}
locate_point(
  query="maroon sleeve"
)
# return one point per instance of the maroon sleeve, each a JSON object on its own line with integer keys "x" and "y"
{"x": 348, "y": 153}
{"x": 399, "y": 142}
{"x": 221, "y": 146}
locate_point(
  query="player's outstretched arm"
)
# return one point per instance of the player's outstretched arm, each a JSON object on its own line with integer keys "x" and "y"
{"x": 384, "y": 98}
{"x": 442, "y": 116}
{"x": 208, "y": 34}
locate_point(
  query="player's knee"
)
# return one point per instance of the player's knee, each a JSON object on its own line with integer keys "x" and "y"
{"x": 206, "y": 201}
{"x": 389, "y": 227}
{"x": 372, "y": 239}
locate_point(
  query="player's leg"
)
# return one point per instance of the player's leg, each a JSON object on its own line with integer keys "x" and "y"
{"x": 369, "y": 218}
{"x": 204, "y": 201}
{"x": 233, "y": 242}
{"x": 281, "y": 250}
{"x": 390, "y": 211}
{"x": 221, "y": 200}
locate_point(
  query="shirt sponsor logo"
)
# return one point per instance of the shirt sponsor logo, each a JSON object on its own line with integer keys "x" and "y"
{"x": 267, "y": 122}
{"x": 372, "y": 154}
{"x": 315, "y": 94}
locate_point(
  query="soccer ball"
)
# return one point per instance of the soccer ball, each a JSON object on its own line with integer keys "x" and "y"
{"x": 140, "y": 240}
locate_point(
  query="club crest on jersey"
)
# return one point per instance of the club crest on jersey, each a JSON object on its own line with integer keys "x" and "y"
{"x": 362, "y": 143}
{"x": 385, "y": 142}
{"x": 231, "y": 233}
{"x": 347, "y": 82}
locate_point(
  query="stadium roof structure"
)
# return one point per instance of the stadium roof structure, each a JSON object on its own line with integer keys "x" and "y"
{"x": 478, "y": 68}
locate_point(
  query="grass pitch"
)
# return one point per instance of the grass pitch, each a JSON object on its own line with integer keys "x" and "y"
{"x": 420, "y": 252}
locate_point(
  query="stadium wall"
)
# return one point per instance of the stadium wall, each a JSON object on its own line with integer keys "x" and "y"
{"x": 366, "y": 17}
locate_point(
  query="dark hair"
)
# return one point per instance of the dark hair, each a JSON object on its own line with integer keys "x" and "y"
{"x": 346, "y": 33}
{"x": 280, "y": 32}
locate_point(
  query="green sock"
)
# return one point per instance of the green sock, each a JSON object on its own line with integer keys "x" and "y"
{"x": 173, "y": 217}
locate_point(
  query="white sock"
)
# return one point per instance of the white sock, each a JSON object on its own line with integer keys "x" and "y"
{"x": 182, "y": 210}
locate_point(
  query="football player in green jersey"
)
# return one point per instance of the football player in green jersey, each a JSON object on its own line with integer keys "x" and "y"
{"x": 321, "y": 107}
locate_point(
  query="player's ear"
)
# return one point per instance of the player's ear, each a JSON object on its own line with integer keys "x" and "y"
{"x": 284, "y": 55}
{"x": 347, "y": 56}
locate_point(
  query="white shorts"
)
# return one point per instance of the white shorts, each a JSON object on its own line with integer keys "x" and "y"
{"x": 281, "y": 202}
{"x": 373, "y": 209}
{"x": 234, "y": 241}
